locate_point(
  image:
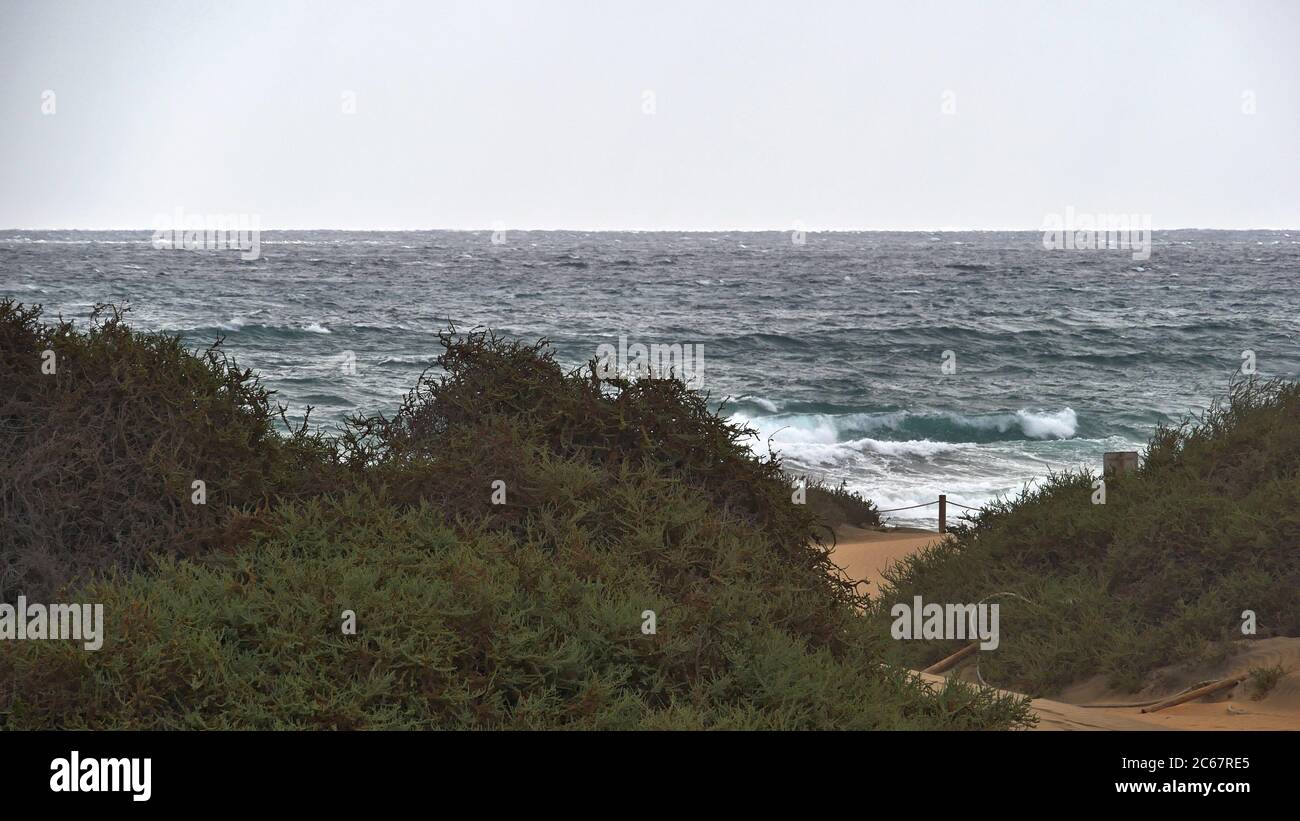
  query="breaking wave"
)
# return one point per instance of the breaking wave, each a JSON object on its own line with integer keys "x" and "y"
{"x": 903, "y": 426}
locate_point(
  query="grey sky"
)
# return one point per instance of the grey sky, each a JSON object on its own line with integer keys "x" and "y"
{"x": 531, "y": 114}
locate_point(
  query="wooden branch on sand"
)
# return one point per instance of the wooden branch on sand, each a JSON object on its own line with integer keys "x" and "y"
{"x": 951, "y": 661}
{"x": 1197, "y": 693}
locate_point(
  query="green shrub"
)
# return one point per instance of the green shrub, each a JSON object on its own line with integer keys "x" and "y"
{"x": 1262, "y": 680}
{"x": 496, "y": 401}
{"x": 99, "y": 456}
{"x": 458, "y": 630}
{"x": 839, "y": 506}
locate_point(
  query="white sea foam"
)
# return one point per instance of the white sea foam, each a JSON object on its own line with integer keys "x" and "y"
{"x": 831, "y": 428}
{"x": 911, "y": 447}
{"x": 407, "y": 360}
{"x": 766, "y": 404}
{"x": 1059, "y": 425}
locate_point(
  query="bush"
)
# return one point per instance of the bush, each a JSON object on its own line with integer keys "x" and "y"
{"x": 498, "y": 401}
{"x": 839, "y": 506}
{"x": 100, "y": 455}
{"x": 459, "y": 631}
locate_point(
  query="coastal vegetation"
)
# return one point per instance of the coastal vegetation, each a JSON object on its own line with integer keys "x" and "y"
{"x": 515, "y": 547}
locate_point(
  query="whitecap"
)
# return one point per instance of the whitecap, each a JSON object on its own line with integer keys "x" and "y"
{"x": 1046, "y": 425}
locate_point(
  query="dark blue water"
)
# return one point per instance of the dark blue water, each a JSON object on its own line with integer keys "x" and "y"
{"x": 834, "y": 347}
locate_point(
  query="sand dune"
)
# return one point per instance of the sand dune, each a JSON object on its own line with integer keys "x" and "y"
{"x": 864, "y": 555}
{"x": 1234, "y": 709}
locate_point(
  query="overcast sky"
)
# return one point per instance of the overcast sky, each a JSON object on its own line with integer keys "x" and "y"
{"x": 625, "y": 115}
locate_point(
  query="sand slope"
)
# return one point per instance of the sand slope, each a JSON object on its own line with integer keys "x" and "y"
{"x": 1235, "y": 709}
{"x": 1057, "y": 715}
{"x": 864, "y": 554}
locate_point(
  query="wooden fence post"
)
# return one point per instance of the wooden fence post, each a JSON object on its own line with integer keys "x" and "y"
{"x": 943, "y": 513}
{"x": 1119, "y": 463}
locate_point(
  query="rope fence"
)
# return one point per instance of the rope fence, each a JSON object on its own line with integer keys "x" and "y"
{"x": 1114, "y": 463}
{"x": 909, "y": 507}
{"x": 942, "y": 502}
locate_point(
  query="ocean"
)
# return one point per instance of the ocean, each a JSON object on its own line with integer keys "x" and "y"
{"x": 907, "y": 364}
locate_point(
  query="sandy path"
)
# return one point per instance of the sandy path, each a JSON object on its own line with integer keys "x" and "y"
{"x": 865, "y": 553}
{"x": 1057, "y": 715}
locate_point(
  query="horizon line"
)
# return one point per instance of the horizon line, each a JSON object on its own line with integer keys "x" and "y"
{"x": 783, "y": 230}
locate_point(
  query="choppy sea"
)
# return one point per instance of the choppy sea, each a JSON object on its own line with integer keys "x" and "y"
{"x": 834, "y": 349}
